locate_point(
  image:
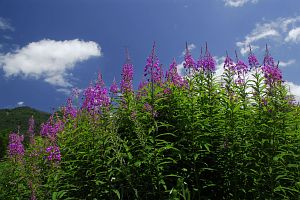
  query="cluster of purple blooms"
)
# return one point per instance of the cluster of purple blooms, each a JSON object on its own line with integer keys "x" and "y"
{"x": 205, "y": 63}
{"x": 53, "y": 153}
{"x": 51, "y": 128}
{"x": 70, "y": 110}
{"x": 241, "y": 70}
{"x": 15, "y": 147}
{"x": 189, "y": 62}
{"x": 173, "y": 77}
{"x": 96, "y": 97}
{"x": 229, "y": 64}
{"x": 127, "y": 77}
{"x": 114, "y": 87}
{"x": 153, "y": 69}
{"x": 208, "y": 62}
{"x": 142, "y": 89}
{"x": 271, "y": 71}
{"x": 253, "y": 62}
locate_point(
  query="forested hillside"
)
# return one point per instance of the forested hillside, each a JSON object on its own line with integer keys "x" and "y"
{"x": 17, "y": 118}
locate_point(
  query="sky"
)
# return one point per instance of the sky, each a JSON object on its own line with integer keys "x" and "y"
{"x": 47, "y": 48}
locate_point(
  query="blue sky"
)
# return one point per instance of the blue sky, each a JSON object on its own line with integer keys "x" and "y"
{"x": 49, "y": 47}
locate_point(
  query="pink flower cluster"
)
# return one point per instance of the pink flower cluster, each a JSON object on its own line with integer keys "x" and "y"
{"x": 253, "y": 62}
{"x": 152, "y": 69}
{"x": 114, "y": 87}
{"x": 96, "y": 96}
{"x": 127, "y": 77}
{"x": 229, "y": 64}
{"x": 70, "y": 110}
{"x": 271, "y": 71}
{"x": 272, "y": 74}
{"x": 173, "y": 77}
{"x": 53, "y": 153}
{"x": 51, "y": 128}
{"x": 189, "y": 62}
{"x": 15, "y": 146}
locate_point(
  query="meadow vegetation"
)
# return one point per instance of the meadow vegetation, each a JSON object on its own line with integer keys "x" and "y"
{"x": 196, "y": 136}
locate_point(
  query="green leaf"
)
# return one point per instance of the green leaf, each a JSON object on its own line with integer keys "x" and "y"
{"x": 117, "y": 193}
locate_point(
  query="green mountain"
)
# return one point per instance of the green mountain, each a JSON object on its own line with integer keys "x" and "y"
{"x": 17, "y": 119}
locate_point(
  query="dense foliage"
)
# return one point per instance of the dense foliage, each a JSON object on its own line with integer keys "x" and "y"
{"x": 17, "y": 118}
{"x": 193, "y": 137}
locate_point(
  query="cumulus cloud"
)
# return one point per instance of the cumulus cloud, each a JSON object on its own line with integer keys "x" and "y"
{"x": 219, "y": 66}
{"x": 293, "y": 35}
{"x": 65, "y": 91}
{"x": 20, "y": 103}
{"x": 180, "y": 69}
{"x": 5, "y": 25}
{"x": 238, "y": 3}
{"x": 294, "y": 90}
{"x": 281, "y": 30}
{"x": 287, "y": 63}
{"x": 49, "y": 60}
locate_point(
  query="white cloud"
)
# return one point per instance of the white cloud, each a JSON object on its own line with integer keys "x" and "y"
{"x": 219, "y": 66}
{"x": 21, "y": 103}
{"x": 238, "y": 3}
{"x": 180, "y": 69}
{"x": 5, "y": 25}
{"x": 66, "y": 91}
{"x": 49, "y": 60}
{"x": 70, "y": 91}
{"x": 281, "y": 30}
{"x": 287, "y": 63}
{"x": 294, "y": 89}
{"x": 293, "y": 35}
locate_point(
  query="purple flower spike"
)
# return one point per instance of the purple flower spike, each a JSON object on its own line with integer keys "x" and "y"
{"x": 253, "y": 62}
{"x": 153, "y": 69}
{"x": 15, "y": 146}
{"x": 272, "y": 74}
{"x": 268, "y": 59}
{"x": 114, "y": 88}
{"x": 127, "y": 77}
{"x": 271, "y": 71}
{"x": 229, "y": 64}
{"x": 241, "y": 69}
{"x": 189, "y": 62}
{"x": 53, "y": 153}
{"x": 70, "y": 110}
{"x": 51, "y": 128}
{"x": 96, "y": 97}
{"x": 172, "y": 75}
{"x": 209, "y": 64}
{"x": 142, "y": 89}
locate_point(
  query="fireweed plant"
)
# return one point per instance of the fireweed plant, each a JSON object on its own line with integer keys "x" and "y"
{"x": 196, "y": 136}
